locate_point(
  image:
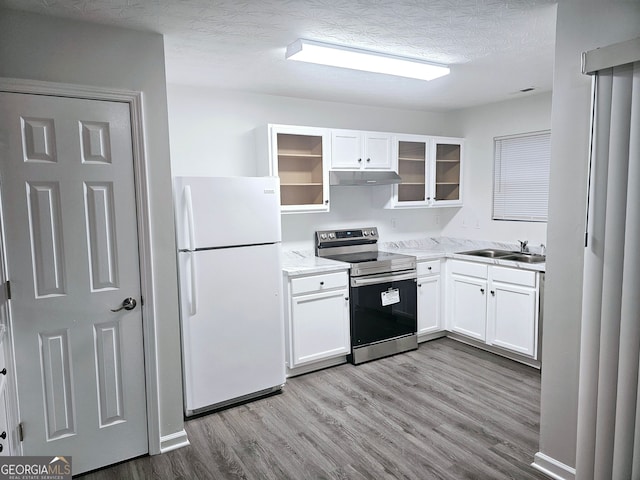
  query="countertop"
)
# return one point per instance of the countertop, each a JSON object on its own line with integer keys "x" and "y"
{"x": 304, "y": 262}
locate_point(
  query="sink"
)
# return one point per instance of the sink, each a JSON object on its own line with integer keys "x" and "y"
{"x": 488, "y": 252}
{"x": 525, "y": 257}
{"x": 507, "y": 255}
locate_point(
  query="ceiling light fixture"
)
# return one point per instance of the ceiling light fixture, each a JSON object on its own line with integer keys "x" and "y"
{"x": 353, "y": 58}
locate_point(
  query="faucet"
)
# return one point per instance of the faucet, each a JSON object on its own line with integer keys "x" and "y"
{"x": 524, "y": 246}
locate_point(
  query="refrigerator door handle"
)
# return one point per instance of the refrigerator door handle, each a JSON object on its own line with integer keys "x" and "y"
{"x": 189, "y": 214}
{"x": 192, "y": 289}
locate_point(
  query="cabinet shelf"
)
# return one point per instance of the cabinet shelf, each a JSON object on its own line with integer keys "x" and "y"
{"x": 445, "y": 160}
{"x": 302, "y": 184}
{"x": 408, "y": 159}
{"x": 448, "y": 183}
{"x": 311, "y": 156}
{"x": 413, "y": 183}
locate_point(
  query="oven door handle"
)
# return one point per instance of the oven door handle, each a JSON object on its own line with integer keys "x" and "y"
{"x": 374, "y": 279}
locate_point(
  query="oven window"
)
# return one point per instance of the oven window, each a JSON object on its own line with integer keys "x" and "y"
{"x": 383, "y": 311}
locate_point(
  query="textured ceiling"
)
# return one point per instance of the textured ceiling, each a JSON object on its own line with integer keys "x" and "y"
{"x": 495, "y": 47}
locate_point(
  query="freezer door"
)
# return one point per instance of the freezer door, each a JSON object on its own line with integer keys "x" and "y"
{"x": 232, "y": 323}
{"x": 225, "y": 211}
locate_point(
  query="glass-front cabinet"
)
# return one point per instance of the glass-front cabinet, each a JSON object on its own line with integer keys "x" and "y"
{"x": 300, "y": 157}
{"x": 448, "y": 171}
{"x": 413, "y": 169}
{"x": 431, "y": 171}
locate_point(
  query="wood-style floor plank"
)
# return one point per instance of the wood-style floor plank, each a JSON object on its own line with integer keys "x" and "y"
{"x": 447, "y": 411}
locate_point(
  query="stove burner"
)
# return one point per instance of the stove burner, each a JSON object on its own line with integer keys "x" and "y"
{"x": 359, "y": 247}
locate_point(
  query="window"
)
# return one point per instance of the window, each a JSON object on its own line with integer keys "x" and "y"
{"x": 521, "y": 177}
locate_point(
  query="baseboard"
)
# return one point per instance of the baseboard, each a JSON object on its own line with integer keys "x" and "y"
{"x": 553, "y": 468}
{"x": 173, "y": 441}
{"x": 312, "y": 367}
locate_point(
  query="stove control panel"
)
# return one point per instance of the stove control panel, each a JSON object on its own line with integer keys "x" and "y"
{"x": 352, "y": 236}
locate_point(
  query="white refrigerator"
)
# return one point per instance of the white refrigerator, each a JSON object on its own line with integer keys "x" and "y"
{"x": 228, "y": 236}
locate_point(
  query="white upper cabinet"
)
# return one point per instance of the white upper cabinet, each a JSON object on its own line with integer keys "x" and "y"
{"x": 430, "y": 167}
{"x": 300, "y": 156}
{"x": 355, "y": 150}
{"x": 431, "y": 172}
{"x": 447, "y": 171}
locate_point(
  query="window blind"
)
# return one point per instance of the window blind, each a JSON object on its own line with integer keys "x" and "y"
{"x": 521, "y": 177}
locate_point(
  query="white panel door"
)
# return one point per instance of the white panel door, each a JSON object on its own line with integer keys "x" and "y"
{"x": 72, "y": 253}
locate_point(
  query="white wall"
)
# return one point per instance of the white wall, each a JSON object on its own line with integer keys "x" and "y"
{"x": 212, "y": 133}
{"x": 581, "y": 26}
{"x": 51, "y": 49}
{"x": 479, "y": 126}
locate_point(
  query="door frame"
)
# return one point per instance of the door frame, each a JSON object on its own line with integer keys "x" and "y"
{"x": 143, "y": 219}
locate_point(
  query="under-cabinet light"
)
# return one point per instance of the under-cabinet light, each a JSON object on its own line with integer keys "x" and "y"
{"x": 347, "y": 57}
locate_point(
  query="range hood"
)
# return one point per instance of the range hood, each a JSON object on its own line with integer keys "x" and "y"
{"x": 363, "y": 177}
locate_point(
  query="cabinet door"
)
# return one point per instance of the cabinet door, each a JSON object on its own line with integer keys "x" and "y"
{"x": 301, "y": 160}
{"x": 346, "y": 149}
{"x": 411, "y": 152}
{"x": 377, "y": 151}
{"x": 447, "y": 171}
{"x": 468, "y": 306}
{"x": 512, "y": 321}
{"x": 429, "y": 304}
{"x": 320, "y": 326}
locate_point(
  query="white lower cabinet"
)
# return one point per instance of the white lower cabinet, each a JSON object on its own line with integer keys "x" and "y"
{"x": 429, "y": 299}
{"x": 513, "y": 310}
{"x": 318, "y": 319}
{"x": 495, "y": 305}
{"x": 468, "y": 295}
{"x": 469, "y": 306}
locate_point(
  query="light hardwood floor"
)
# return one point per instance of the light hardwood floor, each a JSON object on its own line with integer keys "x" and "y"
{"x": 445, "y": 411}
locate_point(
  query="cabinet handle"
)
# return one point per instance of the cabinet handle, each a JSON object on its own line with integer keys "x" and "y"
{"x": 359, "y": 160}
{"x": 3, "y": 435}
{"x": 482, "y": 290}
{"x": 493, "y": 293}
{"x": 346, "y": 299}
{"x": 326, "y": 202}
{"x": 3, "y": 371}
{"x": 368, "y": 159}
{"x": 428, "y": 268}
{"x": 321, "y": 283}
{"x": 419, "y": 285}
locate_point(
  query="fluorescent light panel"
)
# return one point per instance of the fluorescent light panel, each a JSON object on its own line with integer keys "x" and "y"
{"x": 356, "y": 59}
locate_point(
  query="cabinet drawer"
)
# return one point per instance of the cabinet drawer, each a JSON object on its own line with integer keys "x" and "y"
{"x": 428, "y": 268}
{"x": 512, "y": 275}
{"x": 470, "y": 269}
{"x": 317, "y": 283}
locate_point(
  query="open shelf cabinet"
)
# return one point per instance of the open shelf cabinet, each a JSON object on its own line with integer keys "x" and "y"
{"x": 300, "y": 156}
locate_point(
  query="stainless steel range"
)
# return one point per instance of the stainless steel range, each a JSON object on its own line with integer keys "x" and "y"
{"x": 383, "y": 294}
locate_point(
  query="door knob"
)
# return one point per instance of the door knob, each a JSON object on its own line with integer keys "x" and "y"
{"x": 128, "y": 303}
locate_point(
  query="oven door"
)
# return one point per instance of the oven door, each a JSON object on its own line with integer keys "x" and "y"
{"x": 383, "y": 307}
